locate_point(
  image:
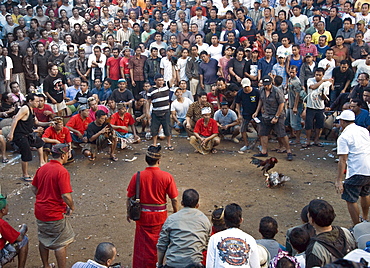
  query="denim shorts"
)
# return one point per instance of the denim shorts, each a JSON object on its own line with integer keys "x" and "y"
{"x": 356, "y": 186}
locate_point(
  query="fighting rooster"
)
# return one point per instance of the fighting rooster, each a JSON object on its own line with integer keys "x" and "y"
{"x": 266, "y": 165}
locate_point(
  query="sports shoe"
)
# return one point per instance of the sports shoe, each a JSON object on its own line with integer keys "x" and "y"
{"x": 245, "y": 148}
{"x": 148, "y": 135}
{"x": 235, "y": 140}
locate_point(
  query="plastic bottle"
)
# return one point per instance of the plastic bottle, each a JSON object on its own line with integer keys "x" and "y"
{"x": 367, "y": 248}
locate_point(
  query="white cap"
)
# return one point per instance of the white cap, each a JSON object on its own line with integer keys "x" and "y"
{"x": 361, "y": 232}
{"x": 246, "y": 82}
{"x": 347, "y": 115}
{"x": 206, "y": 110}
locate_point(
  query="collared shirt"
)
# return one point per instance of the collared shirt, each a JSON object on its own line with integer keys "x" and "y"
{"x": 184, "y": 236}
{"x": 266, "y": 67}
{"x": 195, "y": 110}
{"x": 355, "y": 142}
{"x": 72, "y": 92}
{"x": 346, "y": 34}
{"x": 272, "y": 102}
{"x": 138, "y": 67}
{"x": 277, "y": 69}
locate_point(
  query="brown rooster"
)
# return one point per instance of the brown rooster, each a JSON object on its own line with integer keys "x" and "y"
{"x": 267, "y": 164}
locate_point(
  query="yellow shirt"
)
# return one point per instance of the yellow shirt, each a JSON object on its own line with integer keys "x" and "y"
{"x": 15, "y": 18}
{"x": 316, "y": 36}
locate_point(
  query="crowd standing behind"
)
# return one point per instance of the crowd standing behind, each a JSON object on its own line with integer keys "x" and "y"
{"x": 107, "y": 73}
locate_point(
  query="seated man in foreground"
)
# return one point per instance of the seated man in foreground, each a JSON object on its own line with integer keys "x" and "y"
{"x": 205, "y": 136}
{"x": 227, "y": 121}
{"x": 105, "y": 254}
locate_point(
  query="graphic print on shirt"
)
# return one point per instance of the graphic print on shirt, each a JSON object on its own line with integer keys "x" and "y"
{"x": 234, "y": 251}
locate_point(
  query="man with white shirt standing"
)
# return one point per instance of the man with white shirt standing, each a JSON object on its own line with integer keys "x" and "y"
{"x": 328, "y": 64}
{"x": 215, "y": 50}
{"x": 353, "y": 153}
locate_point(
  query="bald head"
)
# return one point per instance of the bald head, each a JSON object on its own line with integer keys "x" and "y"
{"x": 105, "y": 253}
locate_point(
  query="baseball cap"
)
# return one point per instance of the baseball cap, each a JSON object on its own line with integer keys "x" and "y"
{"x": 347, "y": 115}
{"x": 297, "y": 25}
{"x": 242, "y": 39}
{"x": 281, "y": 55}
{"x": 255, "y": 50}
{"x": 309, "y": 55}
{"x": 361, "y": 232}
{"x": 159, "y": 24}
{"x": 206, "y": 110}
{"x": 198, "y": 8}
{"x": 158, "y": 76}
{"x": 361, "y": 22}
{"x": 246, "y": 82}
{"x": 60, "y": 148}
{"x": 121, "y": 80}
{"x": 82, "y": 107}
{"x": 267, "y": 80}
{"x": 231, "y": 47}
{"x": 171, "y": 48}
{"x": 3, "y": 201}
{"x": 257, "y": 1}
{"x": 145, "y": 11}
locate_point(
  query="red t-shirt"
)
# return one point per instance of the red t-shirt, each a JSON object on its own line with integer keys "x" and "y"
{"x": 64, "y": 136}
{"x": 78, "y": 124}
{"x": 114, "y": 71}
{"x": 124, "y": 63}
{"x": 40, "y": 113}
{"x": 212, "y": 99}
{"x": 8, "y": 233}
{"x": 127, "y": 120}
{"x": 208, "y": 130}
{"x": 51, "y": 180}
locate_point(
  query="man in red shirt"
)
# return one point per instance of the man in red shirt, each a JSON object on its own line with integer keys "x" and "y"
{"x": 113, "y": 68}
{"x": 52, "y": 187}
{"x": 44, "y": 113}
{"x": 55, "y": 134}
{"x": 123, "y": 66}
{"x": 205, "y": 136}
{"x": 78, "y": 124}
{"x": 17, "y": 241}
{"x": 120, "y": 122}
{"x": 155, "y": 184}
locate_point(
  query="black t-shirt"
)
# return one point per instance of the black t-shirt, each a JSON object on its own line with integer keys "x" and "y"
{"x": 92, "y": 129}
{"x": 2, "y": 68}
{"x": 341, "y": 78}
{"x": 288, "y": 34}
{"x": 81, "y": 98}
{"x": 248, "y": 101}
{"x": 238, "y": 68}
{"x": 54, "y": 86}
{"x": 251, "y": 35}
{"x": 42, "y": 63}
{"x": 251, "y": 67}
{"x": 137, "y": 111}
{"x": 125, "y": 96}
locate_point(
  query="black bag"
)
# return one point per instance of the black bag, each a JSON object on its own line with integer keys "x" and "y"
{"x": 135, "y": 206}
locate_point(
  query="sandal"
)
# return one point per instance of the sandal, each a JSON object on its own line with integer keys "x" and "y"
{"x": 5, "y": 160}
{"x": 214, "y": 151}
{"x": 319, "y": 144}
{"x": 27, "y": 179}
{"x": 170, "y": 148}
{"x": 114, "y": 158}
{"x": 305, "y": 145}
{"x": 281, "y": 151}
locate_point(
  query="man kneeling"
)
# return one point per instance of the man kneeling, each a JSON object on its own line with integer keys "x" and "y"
{"x": 205, "y": 136}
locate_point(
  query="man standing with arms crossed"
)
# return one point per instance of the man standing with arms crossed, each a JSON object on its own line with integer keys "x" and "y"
{"x": 52, "y": 187}
{"x": 155, "y": 184}
{"x": 353, "y": 152}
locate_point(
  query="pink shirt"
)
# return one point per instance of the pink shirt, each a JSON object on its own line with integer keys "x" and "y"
{"x": 100, "y": 107}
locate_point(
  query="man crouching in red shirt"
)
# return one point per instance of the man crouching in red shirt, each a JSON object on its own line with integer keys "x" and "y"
{"x": 205, "y": 133}
{"x": 12, "y": 242}
{"x": 52, "y": 187}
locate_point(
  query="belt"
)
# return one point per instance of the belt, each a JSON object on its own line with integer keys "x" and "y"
{"x": 153, "y": 207}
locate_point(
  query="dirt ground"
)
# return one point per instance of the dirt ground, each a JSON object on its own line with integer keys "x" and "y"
{"x": 100, "y": 192}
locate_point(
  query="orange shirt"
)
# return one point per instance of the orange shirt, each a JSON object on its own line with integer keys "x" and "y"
{"x": 126, "y": 121}
{"x": 78, "y": 124}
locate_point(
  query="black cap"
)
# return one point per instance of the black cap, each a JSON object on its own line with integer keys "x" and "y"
{"x": 267, "y": 80}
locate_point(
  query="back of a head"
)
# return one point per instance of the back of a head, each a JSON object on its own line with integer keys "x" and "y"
{"x": 190, "y": 198}
{"x": 153, "y": 154}
{"x": 218, "y": 220}
{"x": 268, "y": 227}
{"x": 233, "y": 215}
{"x": 321, "y": 212}
{"x": 299, "y": 239}
{"x": 285, "y": 263}
{"x": 104, "y": 251}
{"x": 304, "y": 216}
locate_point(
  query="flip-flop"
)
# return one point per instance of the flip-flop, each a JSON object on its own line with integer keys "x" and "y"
{"x": 170, "y": 148}
{"x": 305, "y": 145}
{"x": 113, "y": 158}
{"x": 5, "y": 160}
{"x": 319, "y": 144}
{"x": 27, "y": 179}
{"x": 281, "y": 151}
{"x": 214, "y": 151}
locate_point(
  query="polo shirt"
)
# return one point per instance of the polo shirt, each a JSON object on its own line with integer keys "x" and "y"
{"x": 316, "y": 36}
{"x": 206, "y": 130}
{"x": 64, "y": 136}
{"x": 266, "y": 67}
{"x": 363, "y": 119}
{"x": 81, "y": 98}
{"x": 355, "y": 142}
{"x": 126, "y": 121}
{"x": 227, "y": 119}
{"x": 79, "y": 124}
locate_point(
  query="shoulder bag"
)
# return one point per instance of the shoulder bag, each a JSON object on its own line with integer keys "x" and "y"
{"x": 135, "y": 206}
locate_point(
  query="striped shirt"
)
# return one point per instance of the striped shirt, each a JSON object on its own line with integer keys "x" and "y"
{"x": 160, "y": 98}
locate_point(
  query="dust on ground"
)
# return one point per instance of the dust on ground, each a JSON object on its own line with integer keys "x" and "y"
{"x": 222, "y": 178}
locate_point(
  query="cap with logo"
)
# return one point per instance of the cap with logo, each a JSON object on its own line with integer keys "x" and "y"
{"x": 266, "y": 80}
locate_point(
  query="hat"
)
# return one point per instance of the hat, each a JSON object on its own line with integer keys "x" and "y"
{"x": 171, "y": 48}
{"x": 297, "y": 25}
{"x": 347, "y": 115}
{"x": 159, "y": 24}
{"x": 246, "y": 82}
{"x": 198, "y": 8}
{"x": 158, "y": 76}
{"x": 233, "y": 48}
{"x": 309, "y": 55}
{"x": 120, "y": 105}
{"x": 281, "y": 55}
{"x": 154, "y": 152}
{"x": 257, "y": 1}
{"x": 122, "y": 80}
{"x": 267, "y": 80}
{"x": 248, "y": 49}
{"x": 125, "y": 43}
{"x": 255, "y": 50}
{"x": 60, "y": 148}
{"x": 361, "y": 232}
{"x": 242, "y": 39}
{"x": 82, "y": 107}
{"x": 146, "y": 11}
{"x": 206, "y": 110}
{"x": 361, "y": 22}
{"x": 2, "y": 201}
{"x": 14, "y": 44}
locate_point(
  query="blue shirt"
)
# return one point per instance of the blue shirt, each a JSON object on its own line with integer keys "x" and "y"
{"x": 321, "y": 52}
{"x": 277, "y": 69}
{"x": 363, "y": 119}
{"x": 71, "y": 92}
{"x": 102, "y": 94}
{"x": 209, "y": 71}
{"x": 227, "y": 119}
{"x": 266, "y": 67}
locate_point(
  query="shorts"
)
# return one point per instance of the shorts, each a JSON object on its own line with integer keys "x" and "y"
{"x": 245, "y": 123}
{"x": 295, "y": 119}
{"x": 230, "y": 130}
{"x": 75, "y": 138}
{"x": 93, "y": 148}
{"x": 158, "y": 120}
{"x": 266, "y": 127}
{"x": 355, "y": 186}
{"x": 8, "y": 253}
{"x": 25, "y": 147}
{"x": 175, "y": 125}
{"x": 317, "y": 115}
{"x": 58, "y": 107}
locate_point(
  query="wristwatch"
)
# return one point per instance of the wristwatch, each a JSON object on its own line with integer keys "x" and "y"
{"x": 159, "y": 265}
{"x": 276, "y": 117}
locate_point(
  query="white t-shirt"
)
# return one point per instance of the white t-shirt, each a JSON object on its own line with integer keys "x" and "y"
{"x": 286, "y": 51}
{"x": 203, "y": 47}
{"x": 181, "y": 66}
{"x": 329, "y": 71}
{"x": 355, "y": 142}
{"x": 166, "y": 65}
{"x": 301, "y": 19}
{"x": 181, "y": 108}
{"x": 314, "y": 100}
{"x": 232, "y": 248}
{"x": 361, "y": 68}
{"x": 359, "y": 17}
{"x": 215, "y": 52}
